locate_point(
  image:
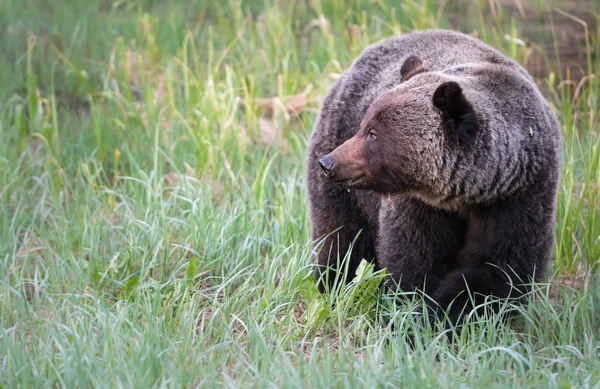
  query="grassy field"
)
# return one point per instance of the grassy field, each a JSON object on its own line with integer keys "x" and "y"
{"x": 153, "y": 217}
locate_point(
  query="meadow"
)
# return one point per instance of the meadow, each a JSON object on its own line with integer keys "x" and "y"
{"x": 153, "y": 216}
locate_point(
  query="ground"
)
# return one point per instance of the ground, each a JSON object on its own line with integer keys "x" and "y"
{"x": 154, "y": 216}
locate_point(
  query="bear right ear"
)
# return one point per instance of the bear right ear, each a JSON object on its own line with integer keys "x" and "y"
{"x": 411, "y": 67}
{"x": 458, "y": 115}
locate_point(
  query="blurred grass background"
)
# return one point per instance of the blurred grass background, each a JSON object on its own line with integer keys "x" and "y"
{"x": 152, "y": 197}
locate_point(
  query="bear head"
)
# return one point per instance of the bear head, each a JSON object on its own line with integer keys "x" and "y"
{"x": 404, "y": 139}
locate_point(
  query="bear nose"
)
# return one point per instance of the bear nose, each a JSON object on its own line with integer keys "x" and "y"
{"x": 326, "y": 163}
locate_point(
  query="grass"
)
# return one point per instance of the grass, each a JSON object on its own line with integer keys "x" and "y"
{"x": 154, "y": 217}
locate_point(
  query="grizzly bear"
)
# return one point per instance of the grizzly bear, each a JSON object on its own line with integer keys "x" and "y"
{"x": 435, "y": 157}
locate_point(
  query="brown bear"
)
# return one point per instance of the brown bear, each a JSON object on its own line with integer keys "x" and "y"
{"x": 436, "y": 157}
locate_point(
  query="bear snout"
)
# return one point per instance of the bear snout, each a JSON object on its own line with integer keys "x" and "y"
{"x": 326, "y": 164}
{"x": 345, "y": 163}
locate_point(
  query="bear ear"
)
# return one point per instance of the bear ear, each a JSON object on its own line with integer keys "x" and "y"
{"x": 458, "y": 116}
{"x": 412, "y": 66}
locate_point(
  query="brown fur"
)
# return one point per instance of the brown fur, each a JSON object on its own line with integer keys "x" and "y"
{"x": 437, "y": 158}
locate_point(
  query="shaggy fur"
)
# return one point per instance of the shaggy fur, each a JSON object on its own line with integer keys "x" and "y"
{"x": 436, "y": 157}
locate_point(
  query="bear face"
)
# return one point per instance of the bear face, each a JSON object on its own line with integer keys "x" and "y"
{"x": 382, "y": 155}
{"x": 401, "y": 142}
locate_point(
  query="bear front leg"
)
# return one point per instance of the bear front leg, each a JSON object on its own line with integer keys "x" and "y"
{"x": 507, "y": 247}
{"x": 337, "y": 220}
{"x": 417, "y": 243}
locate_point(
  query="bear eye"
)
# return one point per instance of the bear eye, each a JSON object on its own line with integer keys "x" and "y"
{"x": 371, "y": 136}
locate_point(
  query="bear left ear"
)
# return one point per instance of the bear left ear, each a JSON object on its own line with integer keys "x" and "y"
{"x": 458, "y": 116}
{"x": 412, "y": 66}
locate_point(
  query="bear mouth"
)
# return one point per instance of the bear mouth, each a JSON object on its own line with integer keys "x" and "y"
{"x": 350, "y": 182}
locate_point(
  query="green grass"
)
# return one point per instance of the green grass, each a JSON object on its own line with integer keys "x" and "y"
{"x": 153, "y": 212}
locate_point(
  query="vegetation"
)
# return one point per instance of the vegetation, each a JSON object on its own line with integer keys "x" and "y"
{"x": 154, "y": 222}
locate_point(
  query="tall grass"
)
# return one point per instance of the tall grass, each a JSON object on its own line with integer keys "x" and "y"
{"x": 155, "y": 223}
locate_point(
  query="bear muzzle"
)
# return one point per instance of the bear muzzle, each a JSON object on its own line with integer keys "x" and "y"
{"x": 342, "y": 172}
{"x": 346, "y": 164}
